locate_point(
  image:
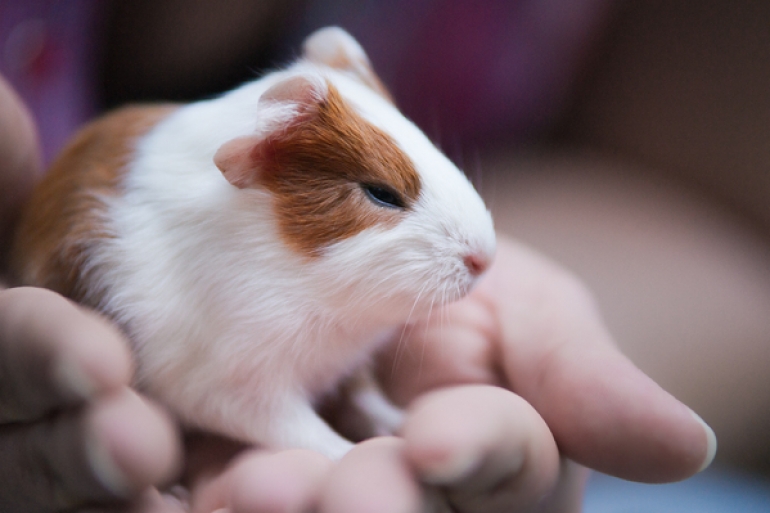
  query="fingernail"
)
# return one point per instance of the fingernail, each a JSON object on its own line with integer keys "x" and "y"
{"x": 70, "y": 375}
{"x": 451, "y": 469}
{"x": 711, "y": 438}
{"x": 106, "y": 471}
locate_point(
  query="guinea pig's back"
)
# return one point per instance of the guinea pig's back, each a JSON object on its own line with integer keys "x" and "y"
{"x": 65, "y": 217}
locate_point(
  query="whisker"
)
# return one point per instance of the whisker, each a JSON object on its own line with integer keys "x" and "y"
{"x": 401, "y": 347}
{"x": 437, "y": 281}
{"x": 425, "y": 337}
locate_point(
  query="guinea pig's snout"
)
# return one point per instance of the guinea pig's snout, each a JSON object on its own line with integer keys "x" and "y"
{"x": 477, "y": 263}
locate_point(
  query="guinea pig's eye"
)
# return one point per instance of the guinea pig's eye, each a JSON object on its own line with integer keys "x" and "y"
{"x": 383, "y": 196}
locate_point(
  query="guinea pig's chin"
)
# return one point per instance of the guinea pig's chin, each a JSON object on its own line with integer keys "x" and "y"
{"x": 446, "y": 291}
{"x": 405, "y": 303}
{"x": 461, "y": 288}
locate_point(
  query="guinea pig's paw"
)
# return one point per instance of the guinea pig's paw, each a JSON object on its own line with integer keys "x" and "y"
{"x": 386, "y": 418}
{"x": 334, "y": 448}
{"x": 294, "y": 424}
{"x": 387, "y": 421}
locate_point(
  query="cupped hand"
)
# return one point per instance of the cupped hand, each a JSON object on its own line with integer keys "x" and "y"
{"x": 532, "y": 328}
{"x": 513, "y": 392}
{"x": 503, "y": 460}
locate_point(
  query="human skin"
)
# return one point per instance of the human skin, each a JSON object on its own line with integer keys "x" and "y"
{"x": 20, "y": 162}
{"x": 539, "y": 386}
{"x": 682, "y": 281}
{"x": 72, "y": 431}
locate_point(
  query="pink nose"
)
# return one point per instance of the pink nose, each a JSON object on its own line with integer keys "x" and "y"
{"x": 476, "y": 263}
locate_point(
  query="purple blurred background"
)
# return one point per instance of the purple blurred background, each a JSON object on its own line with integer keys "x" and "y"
{"x": 468, "y": 72}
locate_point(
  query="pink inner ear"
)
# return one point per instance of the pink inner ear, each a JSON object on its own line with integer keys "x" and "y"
{"x": 301, "y": 90}
{"x": 237, "y": 161}
{"x": 240, "y": 159}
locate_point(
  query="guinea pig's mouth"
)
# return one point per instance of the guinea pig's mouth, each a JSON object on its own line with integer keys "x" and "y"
{"x": 466, "y": 287}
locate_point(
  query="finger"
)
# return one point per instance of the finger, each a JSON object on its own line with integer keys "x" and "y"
{"x": 486, "y": 446}
{"x": 20, "y": 162}
{"x": 153, "y": 501}
{"x": 451, "y": 347}
{"x": 373, "y": 477}
{"x": 109, "y": 453}
{"x": 263, "y": 482}
{"x": 53, "y": 354}
{"x": 602, "y": 410}
{"x": 284, "y": 482}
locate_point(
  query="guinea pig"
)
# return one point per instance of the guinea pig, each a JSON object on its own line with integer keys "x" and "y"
{"x": 257, "y": 248}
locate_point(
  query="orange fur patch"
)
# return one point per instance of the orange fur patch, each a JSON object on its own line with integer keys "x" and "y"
{"x": 316, "y": 168}
{"x": 66, "y": 213}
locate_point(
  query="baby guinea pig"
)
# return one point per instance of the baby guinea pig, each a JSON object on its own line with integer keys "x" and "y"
{"x": 259, "y": 247}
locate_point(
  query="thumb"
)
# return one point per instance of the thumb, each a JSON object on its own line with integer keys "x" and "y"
{"x": 604, "y": 412}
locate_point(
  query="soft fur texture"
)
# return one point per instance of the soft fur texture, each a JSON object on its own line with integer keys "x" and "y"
{"x": 240, "y": 320}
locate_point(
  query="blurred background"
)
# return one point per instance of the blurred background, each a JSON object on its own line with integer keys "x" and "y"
{"x": 628, "y": 140}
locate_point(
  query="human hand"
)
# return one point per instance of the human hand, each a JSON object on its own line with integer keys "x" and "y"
{"x": 529, "y": 328}
{"x": 533, "y": 328}
{"x": 73, "y": 435}
{"x": 378, "y": 476}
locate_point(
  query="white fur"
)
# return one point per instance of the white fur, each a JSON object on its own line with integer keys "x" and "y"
{"x": 233, "y": 330}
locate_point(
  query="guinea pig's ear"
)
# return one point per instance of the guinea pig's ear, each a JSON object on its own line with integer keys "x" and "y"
{"x": 334, "y": 47}
{"x": 286, "y": 105}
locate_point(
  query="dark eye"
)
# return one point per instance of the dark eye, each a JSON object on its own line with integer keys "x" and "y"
{"x": 383, "y": 196}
